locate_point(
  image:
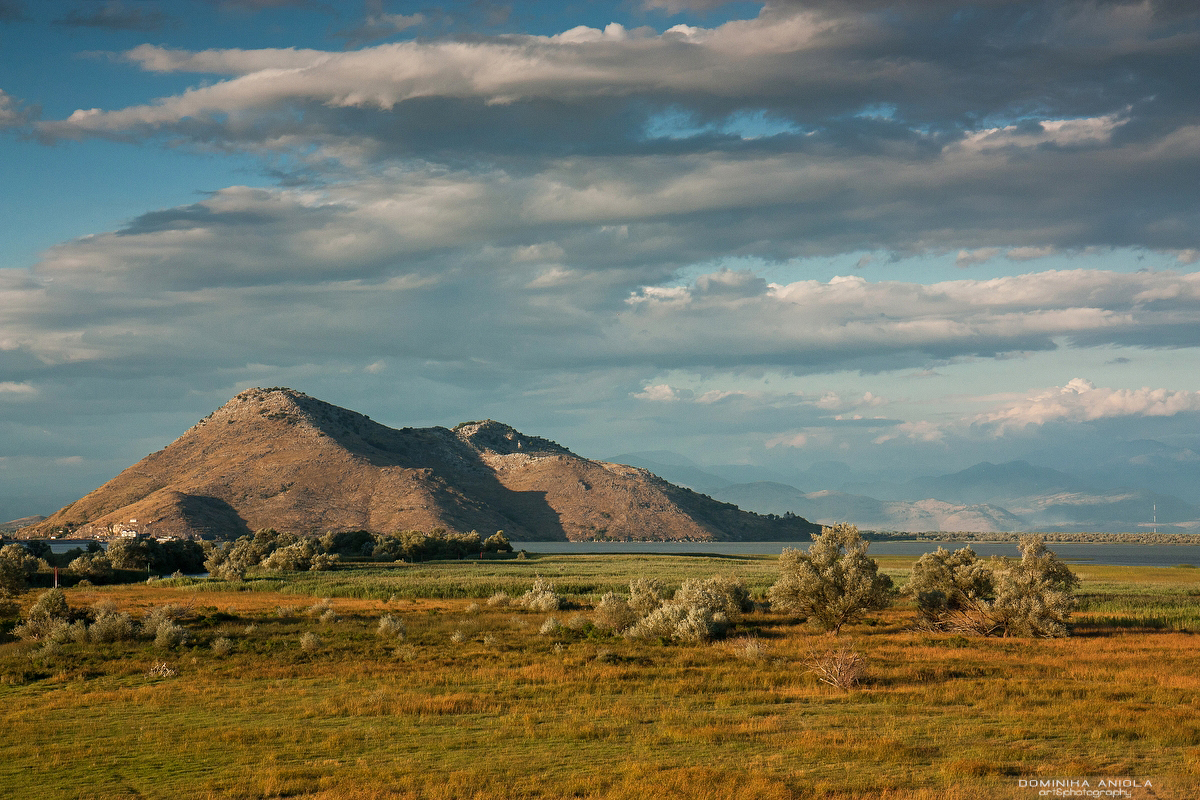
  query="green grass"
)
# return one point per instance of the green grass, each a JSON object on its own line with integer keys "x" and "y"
{"x": 506, "y": 712}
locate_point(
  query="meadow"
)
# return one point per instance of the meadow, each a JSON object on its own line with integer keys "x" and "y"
{"x": 305, "y": 699}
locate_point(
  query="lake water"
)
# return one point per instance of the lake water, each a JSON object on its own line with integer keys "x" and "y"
{"x": 1116, "y": 553}
{"x": 1120, "y": 554}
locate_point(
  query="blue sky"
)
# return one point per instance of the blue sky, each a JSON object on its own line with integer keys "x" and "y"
{"x": 908, "y": 236}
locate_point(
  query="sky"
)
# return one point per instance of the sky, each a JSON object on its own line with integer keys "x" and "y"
{"x": 902, "y": 235}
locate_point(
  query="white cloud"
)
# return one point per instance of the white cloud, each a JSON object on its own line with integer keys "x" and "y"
{"x": 15, "y": 390}
{"x": 659, "y": 393}
{"x": 1081, "y": 401}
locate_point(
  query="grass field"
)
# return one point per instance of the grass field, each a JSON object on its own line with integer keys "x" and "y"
{"x": 475, "y": 702}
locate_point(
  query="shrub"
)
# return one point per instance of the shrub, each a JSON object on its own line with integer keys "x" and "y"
{"x": 169, "y": 635}
{"x": 92, "y": 566}
{"x": 614, "y": 613}
{"x": 112, "y": 626}
{"x": 1034, "y": 596}
{"x": 222, "y": 646}
{"x": 550, "y": 627}
{"x": 680, "y": 622}
{"x": 391, "y": 627}
{"x": 160, "y": 616}
{"x": 541, "y": 597}
{"x": 950, "y": 588}
{"x": 499, "y": 600}
{"x": 841, "y": 668}
{"x": 644, "y": 596}
{"x": 310, "y": 642}
{"x": 77, "y": 632}
{"x": 319, "y": 608}
{"x": 719, "y": 593}
{"x": 1030, "y": 597}
{"x": 834, "y": 583}
{"x": 47, "y": 618}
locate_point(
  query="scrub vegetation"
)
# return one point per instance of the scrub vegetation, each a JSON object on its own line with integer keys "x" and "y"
{"x": 452, "y": 679}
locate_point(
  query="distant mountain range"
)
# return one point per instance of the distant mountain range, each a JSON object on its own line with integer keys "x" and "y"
{"x": 279, "y": 458}
{"x": 986, "y": 497}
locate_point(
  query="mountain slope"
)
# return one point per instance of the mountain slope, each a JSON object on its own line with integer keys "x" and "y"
{"x": 279, "y": 458}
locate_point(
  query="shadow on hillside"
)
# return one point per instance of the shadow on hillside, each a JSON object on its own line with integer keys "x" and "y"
{"x": 521, "y": 514}
{"x": 211, "y": 517}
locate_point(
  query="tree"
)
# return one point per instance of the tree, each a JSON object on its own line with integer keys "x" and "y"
{"x": 17, "y": 566}
{"x": 1034, "y": 596}
{"x": 952, "y": 590}
{"x": 1004, "y": 597}
{"x": 834, "y": 583}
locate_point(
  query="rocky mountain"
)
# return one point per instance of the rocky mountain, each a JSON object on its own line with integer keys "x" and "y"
{"x": 279, "y": 458}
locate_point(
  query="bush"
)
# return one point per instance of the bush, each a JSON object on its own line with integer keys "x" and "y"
{"x": 391, "y": 627}
{"x": 222, "y": 646}
{"x": 310, "y": 642}
{"x": 47, "y": 618}
{"x": 112, "y": 626}
{"x": 834, "y": 583}
{"x": 644, "y": 596}
{"x": 1030, "y": 597}
{"x": 1034, "y": 596}
{"x": 499, "y": 600}
{"x": 680, "y": 622}
{"x": 169, "y": 635}
{"x": 541, "y": 597}
{"x": 718, "y": 593}
{"x": 841, "y": 668}
{"x": 614, "y": 613}
{"x": 158, "y": 617}
{"x": 950, "y": 587}
{"x": 92, "y": 567}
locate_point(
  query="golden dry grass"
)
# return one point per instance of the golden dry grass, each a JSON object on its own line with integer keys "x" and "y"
{"x": 509, "y": 713}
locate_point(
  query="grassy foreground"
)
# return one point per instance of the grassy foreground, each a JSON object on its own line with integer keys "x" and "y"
{"x": 476, "y": 702}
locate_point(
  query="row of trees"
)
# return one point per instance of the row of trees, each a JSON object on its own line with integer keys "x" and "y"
{"x": 835, "y": 583}
{"x": 275, "y": 551}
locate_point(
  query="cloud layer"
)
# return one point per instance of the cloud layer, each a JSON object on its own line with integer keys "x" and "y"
{"x": 542, "y": 220}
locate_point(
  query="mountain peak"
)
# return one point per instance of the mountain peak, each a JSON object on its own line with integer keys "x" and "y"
{"x": 491, "y": 437}
{"x": 276, "y": 457}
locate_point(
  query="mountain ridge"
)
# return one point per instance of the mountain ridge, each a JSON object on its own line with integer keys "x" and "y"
{"x": 279, "y": 458}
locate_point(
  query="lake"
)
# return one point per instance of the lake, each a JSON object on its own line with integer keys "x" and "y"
{"x": 1116, "y": 553}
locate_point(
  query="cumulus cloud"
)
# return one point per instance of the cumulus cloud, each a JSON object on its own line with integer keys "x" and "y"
{"x": 659, "y": 393}
{"x": 1081, "y": 401}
